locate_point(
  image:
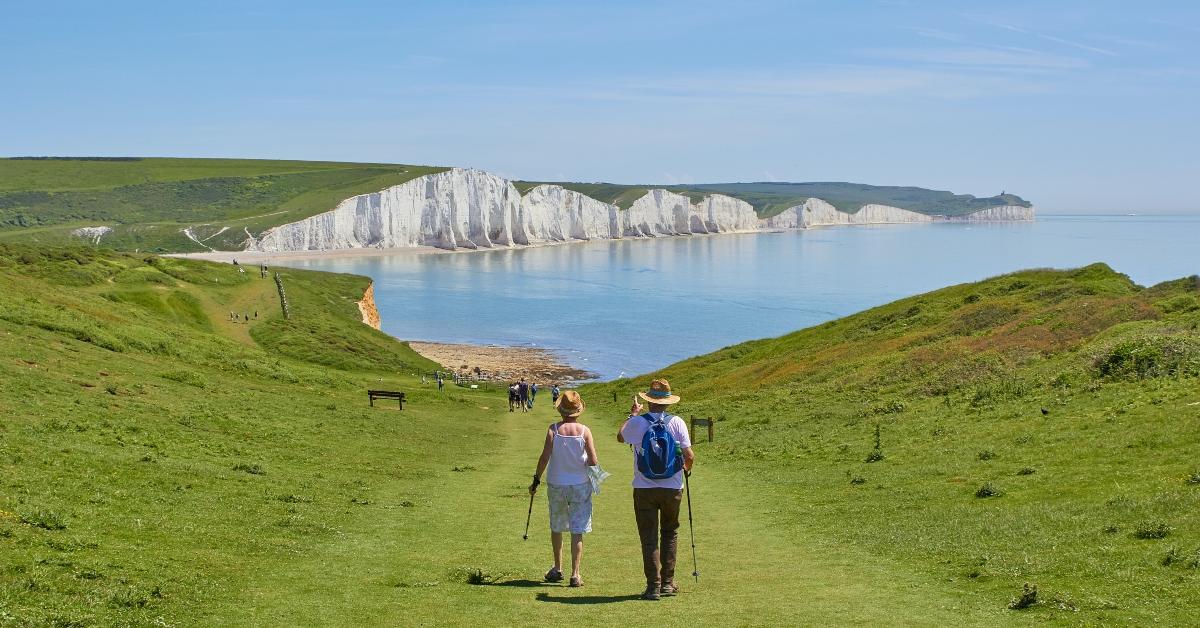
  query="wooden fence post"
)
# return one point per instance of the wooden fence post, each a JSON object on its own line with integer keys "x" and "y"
{"x": 703, "y": 423}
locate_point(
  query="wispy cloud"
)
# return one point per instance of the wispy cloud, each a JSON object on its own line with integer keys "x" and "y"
{"x": 1044, "y": 36}
{"x": 980, "y": 58}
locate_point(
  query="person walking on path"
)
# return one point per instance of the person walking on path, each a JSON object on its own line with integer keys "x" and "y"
{"x": 567, "y": 454}
{"x": 514, "y": 396}
{"x": 656, "y": 501}
{"x": 523, "y": 394}
{"x": 554, "y": 393}
{"x": 532, "y": 393}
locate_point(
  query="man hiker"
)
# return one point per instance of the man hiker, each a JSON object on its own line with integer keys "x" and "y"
{"x": 532, "y": 393}
{"x": 554, "y": 393}
{"x": 658, "y": 482}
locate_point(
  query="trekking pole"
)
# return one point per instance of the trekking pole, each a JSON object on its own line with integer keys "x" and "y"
{"x": 691, "y": 526}
{"x": 528, "y": 517}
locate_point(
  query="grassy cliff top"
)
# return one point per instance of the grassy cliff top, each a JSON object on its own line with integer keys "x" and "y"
{"x": 148, "y": 202}
{"x": 771, "y": 198}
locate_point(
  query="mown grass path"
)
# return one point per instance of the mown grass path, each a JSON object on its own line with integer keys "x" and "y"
{"x": 408, "y": 565}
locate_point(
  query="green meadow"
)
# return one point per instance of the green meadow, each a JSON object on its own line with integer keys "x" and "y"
{"x": 148, "y": 202}
{"x": 927, "y": 462}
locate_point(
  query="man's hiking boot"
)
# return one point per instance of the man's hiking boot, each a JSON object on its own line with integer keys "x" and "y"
{"x": 554, "y": 575}
{"x": 651, "y": 593}
{"x": 668, "y": 589}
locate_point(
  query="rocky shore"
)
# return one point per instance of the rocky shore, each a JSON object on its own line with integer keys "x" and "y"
{"x": 501, "y": 363}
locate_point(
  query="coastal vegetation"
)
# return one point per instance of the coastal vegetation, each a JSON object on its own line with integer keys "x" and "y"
{"x": 771, "y": 198}
{"x": 1013, "y": 451}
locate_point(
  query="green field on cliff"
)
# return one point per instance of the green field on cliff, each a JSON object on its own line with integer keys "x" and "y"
{"x": 915, "y": 464}
{"x": 150, "y": 202}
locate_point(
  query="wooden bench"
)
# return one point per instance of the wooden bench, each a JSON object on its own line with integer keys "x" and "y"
{"x": 703, "y": 423}
{"x": 372, "y": 395}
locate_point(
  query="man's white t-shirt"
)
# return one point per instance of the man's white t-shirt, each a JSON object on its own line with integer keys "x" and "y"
{"x": 633, "y": 432}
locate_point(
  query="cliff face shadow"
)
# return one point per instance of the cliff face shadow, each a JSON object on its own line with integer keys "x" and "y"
{"x": 587, "y": 599}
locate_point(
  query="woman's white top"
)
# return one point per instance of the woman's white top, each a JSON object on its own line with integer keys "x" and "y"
{"x": 568, "y": 460}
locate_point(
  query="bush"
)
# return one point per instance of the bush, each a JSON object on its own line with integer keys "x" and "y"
{"x": 1147, "y": 357}
{"x": 1026, "y": 471}
{"x": 1027, "y": 598}
{"x": 1152, "y": 530}
{"x": 988, "y": 490}
{"x": 986, "y": 454}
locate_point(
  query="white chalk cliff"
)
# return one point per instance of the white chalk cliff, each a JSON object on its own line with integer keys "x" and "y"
{"x": 465, "y": 208}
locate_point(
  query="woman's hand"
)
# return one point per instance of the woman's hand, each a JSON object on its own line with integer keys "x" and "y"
{"x": 636, "y": 408}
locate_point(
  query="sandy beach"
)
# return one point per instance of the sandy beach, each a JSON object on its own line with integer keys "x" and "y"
{"x": 501, "y": 363}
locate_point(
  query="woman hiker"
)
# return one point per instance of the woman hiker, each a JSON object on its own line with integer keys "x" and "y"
{"x": 566, "y": 456}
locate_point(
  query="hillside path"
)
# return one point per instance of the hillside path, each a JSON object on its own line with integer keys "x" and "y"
{"x": 407, "y": 566}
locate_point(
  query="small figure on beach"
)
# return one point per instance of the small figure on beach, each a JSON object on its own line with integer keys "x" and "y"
{"x": 568, "y": 456}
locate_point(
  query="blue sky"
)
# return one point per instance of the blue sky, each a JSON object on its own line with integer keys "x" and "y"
{"x": 1077, "y": 106}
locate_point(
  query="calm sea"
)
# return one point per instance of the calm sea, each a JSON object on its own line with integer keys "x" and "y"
{"x": 629, "y": 307}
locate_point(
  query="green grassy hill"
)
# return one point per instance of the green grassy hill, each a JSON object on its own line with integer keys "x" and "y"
{"x": 150, "y": 202}
{"x": 1039, "y": 427}
{"x": 160, "y": 463}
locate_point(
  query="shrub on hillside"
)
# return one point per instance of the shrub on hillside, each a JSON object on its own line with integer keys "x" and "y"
{"x": 1027, "y": 598}
{"x": 988, "y": 490}
{"x": 1152, "y": 530}
{"x": 1150, "y": 356}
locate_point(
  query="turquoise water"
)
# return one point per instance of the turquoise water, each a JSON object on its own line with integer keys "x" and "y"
{"x": 629, "y": 307}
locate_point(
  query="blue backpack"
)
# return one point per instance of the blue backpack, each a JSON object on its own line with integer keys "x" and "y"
{"x": 659, "y": 458}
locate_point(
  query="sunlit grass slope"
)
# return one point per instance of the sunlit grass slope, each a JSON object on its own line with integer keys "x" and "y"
{"x": 161, "y": 464}
{"x": 1039, "y": 427}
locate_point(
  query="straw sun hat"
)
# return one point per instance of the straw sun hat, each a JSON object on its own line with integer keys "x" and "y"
{"x": 659, "y": 393}
{"x": 569, "y": 404}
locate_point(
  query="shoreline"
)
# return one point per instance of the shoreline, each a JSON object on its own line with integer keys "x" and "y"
{"x": 283, "y": 256}
{"x": 501, "y": 363}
